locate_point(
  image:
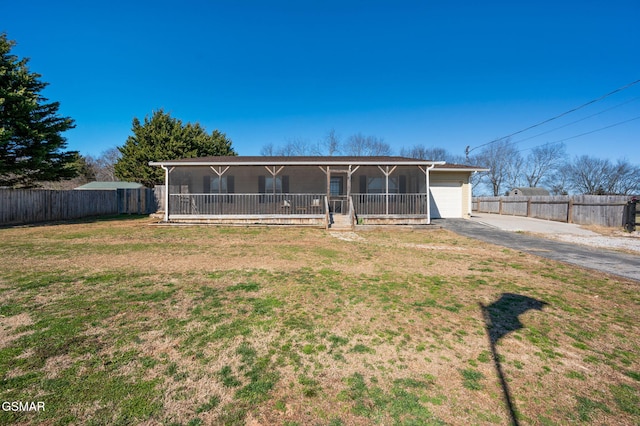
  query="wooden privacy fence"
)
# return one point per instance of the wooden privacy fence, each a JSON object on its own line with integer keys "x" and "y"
{"x": 603, "y": 210}
{"x": 24, "y": 206}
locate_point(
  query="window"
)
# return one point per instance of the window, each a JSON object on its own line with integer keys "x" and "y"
{"x": 219, "y": 185}
{"x": 270, "y": 185}
{"x": 376, "y": 185}
{"x": 269, "y": 182}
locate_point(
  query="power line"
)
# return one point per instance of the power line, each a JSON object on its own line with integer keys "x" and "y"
{"x": 582, "y": 134}
{"x": 469, "y": 150}
{"x": 576, "y": 121}
{"x": 597, "y": 130}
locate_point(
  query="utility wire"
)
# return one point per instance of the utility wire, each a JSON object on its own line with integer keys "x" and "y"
{"x": 581, "y": 134}
{"x": 576, "y": 121}
{"x": 597, "y": 130}
{"x": 468, "y": 150}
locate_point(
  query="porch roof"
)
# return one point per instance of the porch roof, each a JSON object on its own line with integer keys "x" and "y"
{"x": 313, "y": 161}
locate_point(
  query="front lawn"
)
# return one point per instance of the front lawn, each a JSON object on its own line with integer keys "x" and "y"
{"x": 120, "y": 322}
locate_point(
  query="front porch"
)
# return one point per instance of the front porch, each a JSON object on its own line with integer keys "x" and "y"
{"x": 299, "y": 190}
{"x": 300, "y": 209}
{"x": 294, "y": 209}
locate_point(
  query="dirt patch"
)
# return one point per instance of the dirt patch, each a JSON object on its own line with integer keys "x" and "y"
{"x": 10, "y": 324}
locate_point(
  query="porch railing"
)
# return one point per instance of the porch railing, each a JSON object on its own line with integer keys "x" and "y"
{"x": 246, "y": 204}
{"x": 390, "y": 204}
{"x": 294, "y": 204}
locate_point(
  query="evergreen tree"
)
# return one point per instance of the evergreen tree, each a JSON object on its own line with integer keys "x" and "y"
{"x": 31, "y": 144}
{"x": 163, "y": 137}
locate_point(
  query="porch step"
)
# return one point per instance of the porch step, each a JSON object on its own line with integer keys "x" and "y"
{"x": 341, "y": 222}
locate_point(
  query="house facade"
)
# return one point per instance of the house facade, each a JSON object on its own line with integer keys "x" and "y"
{"x": 314, "y": 190}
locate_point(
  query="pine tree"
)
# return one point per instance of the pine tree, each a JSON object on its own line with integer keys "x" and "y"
{"x": 163, "y": 137}
{"x": 31, "y": 144}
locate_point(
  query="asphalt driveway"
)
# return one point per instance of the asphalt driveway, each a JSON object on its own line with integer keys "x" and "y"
{"x": 609, "y": 261}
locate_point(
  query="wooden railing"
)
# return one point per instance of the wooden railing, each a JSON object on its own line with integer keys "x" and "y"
{"x": 246, "y": 204}
{"x": 390, "y": 204}
{"x": 361, "y": 205}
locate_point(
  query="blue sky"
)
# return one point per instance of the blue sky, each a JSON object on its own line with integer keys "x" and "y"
{"x": 444, "y": 74}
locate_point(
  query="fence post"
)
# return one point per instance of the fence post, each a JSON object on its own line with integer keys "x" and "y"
{"x": 570, "y": 211}
{"x": 630, "y": 215}
{"x": 120, "y": 196}
{"x": 529, "y": 207}
{"x": 500, "y": 205}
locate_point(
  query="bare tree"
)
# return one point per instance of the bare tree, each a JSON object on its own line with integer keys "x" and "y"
{"x": 541, "y": 163}
{"x": 504, "y": 163}
{"x": 356, "y": 145}
{"x": 589, "y": 175}
{"x": 627, "y": 178}
{"x": 103, "y": 166}
{"x": 558, "y": 180}
{"x": 291, "y": 148}
{"x": 106, "y": 163}
{"x": 359, "y": 145}
{"x": 423, "y": 153}
{"x": 268, "y": 150}
{"x": 332, "y": 143}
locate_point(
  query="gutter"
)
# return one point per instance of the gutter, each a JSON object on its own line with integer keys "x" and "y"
{"x": 296, "y": 163}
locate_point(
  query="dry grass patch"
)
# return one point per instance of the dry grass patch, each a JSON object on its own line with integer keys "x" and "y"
{"x": 120, "y": 322}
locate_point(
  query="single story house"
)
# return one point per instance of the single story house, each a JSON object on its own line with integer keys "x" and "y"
{"x": 314, "y": 190}
{"x": 528, "y": 192}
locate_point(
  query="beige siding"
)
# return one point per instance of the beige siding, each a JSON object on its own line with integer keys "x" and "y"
{"x": 462, "y": 178}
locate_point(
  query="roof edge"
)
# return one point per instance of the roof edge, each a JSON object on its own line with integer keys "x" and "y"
{"x": 293, "y": 161}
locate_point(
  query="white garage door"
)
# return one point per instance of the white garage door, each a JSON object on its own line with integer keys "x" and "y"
{"x": 446, "y": 199}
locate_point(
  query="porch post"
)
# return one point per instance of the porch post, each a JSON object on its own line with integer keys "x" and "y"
{"x": 273, "y": 173}
{"x": 386, "y": 191}
{"x": 328, "y": 182}
{"x": 386, "y": 173}
{"x": 167, "y": 171}
{"x": 349, "y": 173}
{"x": 426, "y": 173}
{"x": 219, "y": 172}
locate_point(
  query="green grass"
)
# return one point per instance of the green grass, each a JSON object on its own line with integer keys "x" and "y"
{"x": 586, "y": 407}
{"x": 195, "y": 326}
{"x": 627, "y": 398}
{"x": 401, "y": 405}
{"x": 472, "y": 379}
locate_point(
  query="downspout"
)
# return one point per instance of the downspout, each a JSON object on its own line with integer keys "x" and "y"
{"x": 426, "y": 172}
{"x": 470, "y": 204}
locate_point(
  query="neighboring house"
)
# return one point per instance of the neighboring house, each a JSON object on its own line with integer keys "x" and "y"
{"x": 102, "y": 186}
{"x": 528, "y": 192}
{"x": 314, "y": 190}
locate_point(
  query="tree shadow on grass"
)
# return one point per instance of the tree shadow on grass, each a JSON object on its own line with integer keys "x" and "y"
{"x": 501, "y": 318}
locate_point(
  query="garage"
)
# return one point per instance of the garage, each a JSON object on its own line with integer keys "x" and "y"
{"x": 446, "y": 199}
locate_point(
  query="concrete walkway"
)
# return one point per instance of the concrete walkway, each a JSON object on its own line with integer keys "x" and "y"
{"x": 493, "y": 230}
